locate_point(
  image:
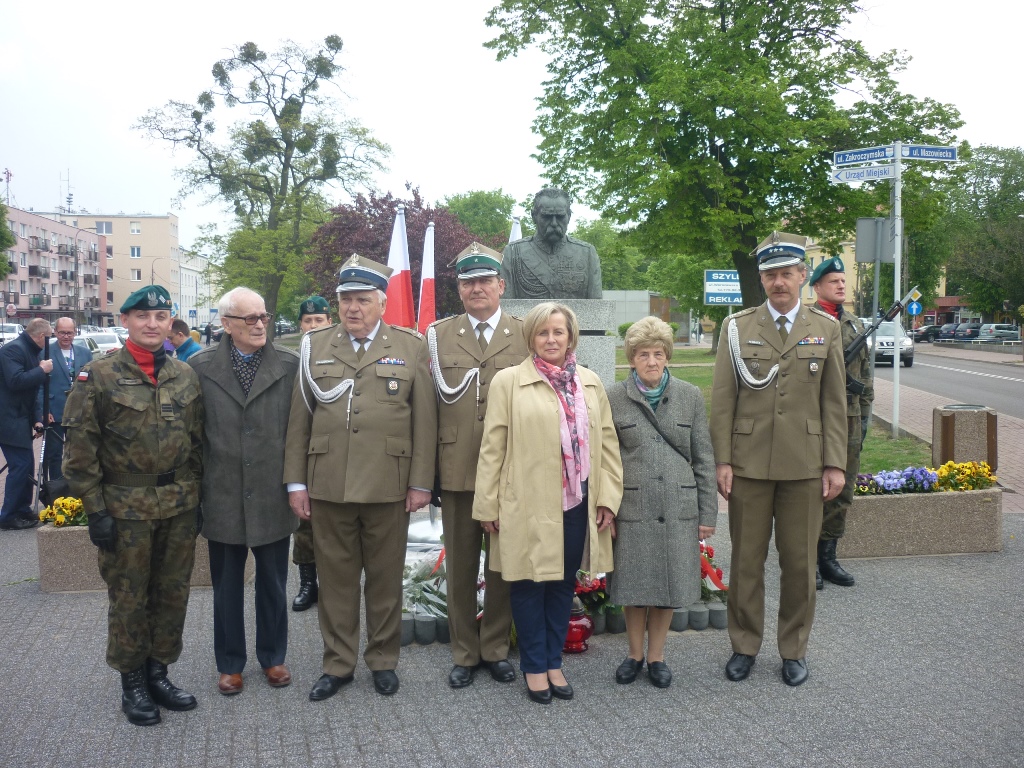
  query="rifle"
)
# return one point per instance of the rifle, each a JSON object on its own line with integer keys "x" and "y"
{"x": 853, "y": 386}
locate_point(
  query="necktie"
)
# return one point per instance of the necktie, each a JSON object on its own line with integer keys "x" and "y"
{"x": 361, "y": 349}
{"x": 782, "y": 327}
{"x": 481, "y": 337}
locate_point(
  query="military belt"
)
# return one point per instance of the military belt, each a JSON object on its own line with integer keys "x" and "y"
{"x": 126, "y": 480}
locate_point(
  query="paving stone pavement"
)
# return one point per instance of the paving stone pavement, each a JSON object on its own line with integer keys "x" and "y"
{"x": 917, "y": 665}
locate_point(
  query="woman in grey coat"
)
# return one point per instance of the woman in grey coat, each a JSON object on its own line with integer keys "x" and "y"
{"x": 247, "y": 392}
{"x": 669, "y": 500}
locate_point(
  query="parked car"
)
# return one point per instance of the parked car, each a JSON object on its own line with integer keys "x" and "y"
{"x": 884, "y": 344}
{"x": 999, "y": 332}
{"x": 107, "y": 341}
{"x": 120, "y": 332}
{"x": 925, "y": 333}
{"x": 218, "y": 331}
{"x": 9, "y": 332}
{"x": 94, "y": 348}
{"x": 948, "y": 332}
{"x": 968, "y": 331}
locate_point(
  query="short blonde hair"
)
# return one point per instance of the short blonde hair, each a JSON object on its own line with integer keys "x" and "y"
{"x": 649, "y": 332}
{"x": 541, "y": 313}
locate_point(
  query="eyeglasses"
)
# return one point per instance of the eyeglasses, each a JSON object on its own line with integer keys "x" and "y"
{"x": 65, "y": 333}
{"x": 252, "y": 319}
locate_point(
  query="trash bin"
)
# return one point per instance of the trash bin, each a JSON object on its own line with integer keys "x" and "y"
{"x": 963, "y": 432}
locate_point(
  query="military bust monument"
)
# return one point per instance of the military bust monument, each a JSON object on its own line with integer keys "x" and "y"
{"x": 550, "y": 264}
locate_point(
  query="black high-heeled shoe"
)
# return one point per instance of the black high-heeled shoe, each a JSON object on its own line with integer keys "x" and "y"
{"x": 540, "y": 697}
{"x": 563, "y": 692}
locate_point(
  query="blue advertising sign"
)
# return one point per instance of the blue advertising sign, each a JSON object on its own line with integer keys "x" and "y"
{"x": 722, "y": 287}
{"x": 864, "y": 155}
{"x": 925, "y": 152}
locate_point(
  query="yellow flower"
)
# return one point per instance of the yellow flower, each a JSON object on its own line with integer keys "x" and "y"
{"x": 58, "y": 520}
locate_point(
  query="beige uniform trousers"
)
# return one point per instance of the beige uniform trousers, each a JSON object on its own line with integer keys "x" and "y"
{"x": 350, "y": 540}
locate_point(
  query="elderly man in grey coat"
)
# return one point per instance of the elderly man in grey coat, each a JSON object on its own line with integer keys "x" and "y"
{"x": 247, "y": 387}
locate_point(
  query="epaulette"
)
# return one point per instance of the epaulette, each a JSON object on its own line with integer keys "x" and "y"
{"x": 520, "y": 240}
{"x": 441, "y": 320}
{"x": 321, "y": 328}
{"x": 742, "y": 312}
{"x": 410, "y": 331}
{"x": 821, "y": 312}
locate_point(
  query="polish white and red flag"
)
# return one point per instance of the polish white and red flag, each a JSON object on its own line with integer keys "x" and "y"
{"x": 400, "y": 309}
{"x": 427, "y": 313}
{"x": 517, "y": 230}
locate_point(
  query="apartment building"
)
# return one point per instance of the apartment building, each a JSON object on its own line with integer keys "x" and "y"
{"x": 197, "y": 301}
{"x": 56, "y": 269}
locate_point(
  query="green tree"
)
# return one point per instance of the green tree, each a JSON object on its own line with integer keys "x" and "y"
{"x": 271, "y": 168}
{"x": 487, "y": 214}
{"x": 7, "y": 240}
{"x": 709, "y": 123}
{"x": 623, "y": 266}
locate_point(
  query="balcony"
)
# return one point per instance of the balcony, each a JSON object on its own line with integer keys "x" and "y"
{"x": 64, "y": 302}
{"x": 37, "y": 270}
{"x": 67, "y": 275}
{"x": 33, "y": 243}
{"x": 93, "y": 256}
{"x": 90, "y": 280}
{"x": 62, "y": 249}
{"x": 92, "y": 302}
{"x": 44, "y": 245}
{"x": 13, "y": 297}
{"x": 36, "y": 299}
{"x": 13, "y": 265}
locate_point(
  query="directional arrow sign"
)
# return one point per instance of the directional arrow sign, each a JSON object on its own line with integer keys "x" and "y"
{"x": 862, "y": 173}
{"x": 865, "y": 155}
{"x": 914, "y": 308}
{"x": 925, "y": 152}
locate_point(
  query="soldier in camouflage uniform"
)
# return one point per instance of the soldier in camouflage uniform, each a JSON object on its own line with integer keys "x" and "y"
{"x": 133, "y": 456}
{"x": 314, "y": 313}
{"x": 829, "y": 283}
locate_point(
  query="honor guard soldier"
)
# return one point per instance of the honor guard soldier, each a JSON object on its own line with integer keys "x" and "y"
{"x": 465, "y": 354}
{"x": 829, "y": 284}
{"x": 778, "y": 426}
{"x": 134, "y": 423}
{"x": 359, "y": 457}
{"x": 314, "y": 313}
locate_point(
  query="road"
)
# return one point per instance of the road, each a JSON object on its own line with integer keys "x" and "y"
{"x": 999, "y": 386}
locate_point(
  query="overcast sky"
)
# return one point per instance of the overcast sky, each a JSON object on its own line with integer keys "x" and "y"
{"x": 76, "y": 76}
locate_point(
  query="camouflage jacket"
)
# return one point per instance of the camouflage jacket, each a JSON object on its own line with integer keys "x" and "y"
{"x": 132, "y": 448}
{"x": 859, "y": 368}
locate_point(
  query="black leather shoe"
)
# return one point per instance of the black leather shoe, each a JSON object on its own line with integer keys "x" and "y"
{"x": 738, "y": 667}
{"x": 628, "y": 670}
{"x": 502, "y": 671}
{"x": 461, "y": 676}
{"x": 659, "y": 674}
{"x": 164, "y": 692}
{"x": 18, "y": 524}
{"x": 563, "y": 692}
{"x": 309, "y": 590}
{"x": 136, "y": 703}
{"x": 385, "y": 681}
{"x": 794, "y": 671}
{"x": 327, "y": 686}
{"x": 830, "y": 568}
{"x": 540, "y": 697}
{"x": 818, "y": 583}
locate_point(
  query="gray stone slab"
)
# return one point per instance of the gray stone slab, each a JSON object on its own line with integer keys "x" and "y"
{"x": 591, "y": 314}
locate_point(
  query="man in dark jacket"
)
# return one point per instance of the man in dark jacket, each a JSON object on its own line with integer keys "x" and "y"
{"x": 247, "y": 389}
{"x": 69, "y": 358}
{"x": 22, "y": 375}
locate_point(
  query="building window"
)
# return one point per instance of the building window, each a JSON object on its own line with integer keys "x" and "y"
{"x": 24, "y": 287}
{"x": 136, "y": 275}
{"x": 136, "y": 251}
{"x": 104, "y": 227}
{"x": 24, "y": 231}
{"x": 53, "y": 264}
{"x": 136, "y": 228}
{"x": 11, "y": 286}
{"x": 110, "y": 274}
{"x": 24, "y": 259}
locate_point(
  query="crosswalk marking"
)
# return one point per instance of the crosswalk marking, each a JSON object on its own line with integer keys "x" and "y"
{"x": 973, "y": 373}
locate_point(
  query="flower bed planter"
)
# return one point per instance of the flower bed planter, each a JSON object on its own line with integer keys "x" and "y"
{"x": 895, "y": 525}
{"x": 68, "y": 561}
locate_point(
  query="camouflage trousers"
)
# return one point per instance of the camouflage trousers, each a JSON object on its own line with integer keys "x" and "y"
{"x": 833, "y": 523}
{"x": 148, "y": 576}
{"x": 302, "y": 544}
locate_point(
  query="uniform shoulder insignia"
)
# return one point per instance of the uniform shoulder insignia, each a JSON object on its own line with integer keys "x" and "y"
{"x": 410, "y": 331}
{"x": 443, "y": 320}
{"x": 321, "y": 329}
{"x": 821, "y": 312}
{"x": 742, "y": 312}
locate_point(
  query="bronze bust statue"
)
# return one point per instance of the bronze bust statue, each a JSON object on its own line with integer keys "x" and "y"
{"x": 550, "y": 264}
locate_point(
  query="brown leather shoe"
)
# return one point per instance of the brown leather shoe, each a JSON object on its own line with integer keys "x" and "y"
{"x": 278, "y": 676}
{"x": 229, "y": 685}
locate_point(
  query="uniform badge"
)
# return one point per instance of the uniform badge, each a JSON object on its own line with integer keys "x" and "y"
{"x": 324, "y": 362}
{"x": 814, "y": 366}
{"x": 755, "y": 342}
{"x": 83, "y": 375}
{"x": 392, "y": 386}
{"x": 151, "y": 299}
{"x": 755, "y": 366}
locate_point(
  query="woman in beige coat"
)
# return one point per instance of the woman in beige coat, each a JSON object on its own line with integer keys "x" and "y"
{"x": 549, "y": 480}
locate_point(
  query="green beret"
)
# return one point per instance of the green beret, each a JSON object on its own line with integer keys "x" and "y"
{"x": 150, "y": 297}
{"x": 314, "y": 305}
{"x": 835, "y": 264}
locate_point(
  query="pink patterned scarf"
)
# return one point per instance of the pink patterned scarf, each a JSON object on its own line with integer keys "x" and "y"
{"x": 573, "y": 429}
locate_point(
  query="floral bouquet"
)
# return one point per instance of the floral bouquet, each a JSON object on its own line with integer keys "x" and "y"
{"x": 909, "y": 480}
{"x": 711, "y": 585}
{"x": 965, "y": 476}
{"x": 592, "y": 592}
{"x": 64, "y": 511}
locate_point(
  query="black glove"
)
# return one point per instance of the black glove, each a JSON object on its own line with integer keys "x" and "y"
{"x": 863, "y": 429}
{"x": 102, "y": 530}
{"x": 199, "y": 519}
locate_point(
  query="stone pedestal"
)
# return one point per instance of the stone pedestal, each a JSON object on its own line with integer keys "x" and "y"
{"x": 596, "y": 317}
{"x": 964, "y": 433}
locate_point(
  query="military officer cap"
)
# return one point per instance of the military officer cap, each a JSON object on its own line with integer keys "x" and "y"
{"x": 359, "y": 274}
{"x": 477, "y": 261}
{"x": 780, "y": 250}
{"x": 314, "y": 305}
{"x": 150, "y": 297}
{"x": 827, "y": 267}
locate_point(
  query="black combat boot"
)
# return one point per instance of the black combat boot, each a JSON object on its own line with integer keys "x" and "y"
{"x": 308, "y": 589}
{"x": 818, "y": 583}
{"x": 136, "y": 703}
{"x": 163, "y": 691}
{"x": 830, "y": 568}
